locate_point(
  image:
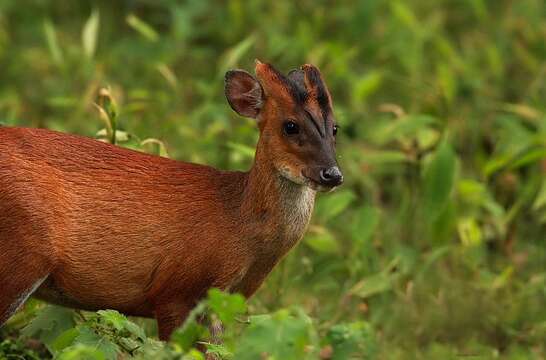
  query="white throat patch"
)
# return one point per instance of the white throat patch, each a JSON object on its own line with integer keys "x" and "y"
{"x": 297, "y": 206}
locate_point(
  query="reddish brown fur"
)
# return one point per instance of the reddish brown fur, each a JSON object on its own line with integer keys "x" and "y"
{"x": 95, "y": 226}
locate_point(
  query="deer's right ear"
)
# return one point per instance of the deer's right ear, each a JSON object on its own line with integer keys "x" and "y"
{"x": 244, "y": 93}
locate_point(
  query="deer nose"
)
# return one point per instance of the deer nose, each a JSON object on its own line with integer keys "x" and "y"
{"x": 331, "y": 176}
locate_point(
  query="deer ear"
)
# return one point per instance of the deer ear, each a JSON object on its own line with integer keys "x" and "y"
{"x": 244, "y": 93}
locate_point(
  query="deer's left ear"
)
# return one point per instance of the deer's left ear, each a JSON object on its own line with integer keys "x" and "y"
{"x": 244, "y": 93}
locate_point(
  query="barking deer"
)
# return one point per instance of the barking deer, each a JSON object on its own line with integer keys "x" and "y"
{"x": 89, "y": 225}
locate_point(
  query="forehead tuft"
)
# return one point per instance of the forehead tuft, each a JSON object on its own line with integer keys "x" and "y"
{"x": 307, "y": 87}
{"x": 302, "y": 86}
{"x": 296, "y": 79}
{"x": 315, "y": 85}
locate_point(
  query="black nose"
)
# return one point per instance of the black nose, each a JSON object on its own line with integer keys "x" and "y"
{"x": 331, "y": 177}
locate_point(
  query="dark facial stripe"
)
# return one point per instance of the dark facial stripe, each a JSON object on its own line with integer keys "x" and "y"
{"x": 311, "y": 119}
{"x": 322, "y": 96}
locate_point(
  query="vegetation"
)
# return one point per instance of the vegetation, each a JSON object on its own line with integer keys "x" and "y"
{"x": 434, "y": 248}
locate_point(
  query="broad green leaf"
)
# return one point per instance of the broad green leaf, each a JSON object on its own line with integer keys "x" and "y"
{"x": 427, "y": 137}
{"x": 366, "y": 85}
{"x": 477, "y": 194}
{"x": 113, "y": 318}
{"x": 352, "y": 341}
{"x": 65, "y": 340}
{"x": 90, "y": 338}
{"x": 191, "y": 331}
{"x": 404, "y": 127}
{"x": 226, "y": 306}
{"x": 321, "y": 240}
{"x": 285, "y": 335}
{"x": 377, "y": 283}
{"x": 49, "y": 324}
{"x": 81, "y": 352}
{"x": 334, "y": 204}
{"x": 363, "y": 227}
{"x": 372, "y": 285}
{"x": 219, "y": 350}
{"x": 438, "y": 181}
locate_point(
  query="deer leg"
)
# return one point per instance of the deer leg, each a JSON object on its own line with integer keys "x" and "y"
{"x": 20, "y": 275}
{"x": 169, "y": 317}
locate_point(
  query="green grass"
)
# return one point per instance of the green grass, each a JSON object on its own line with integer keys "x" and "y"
{"x": 435, "y": 247}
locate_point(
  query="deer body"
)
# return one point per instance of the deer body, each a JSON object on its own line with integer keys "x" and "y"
{"x": 90, "y": 225}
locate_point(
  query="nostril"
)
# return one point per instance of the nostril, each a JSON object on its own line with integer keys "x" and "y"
{"x": 331, "y": 176}
{"x": 325, "y": 174}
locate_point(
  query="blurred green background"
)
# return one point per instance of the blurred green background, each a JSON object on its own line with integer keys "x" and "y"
{"x": 435, "y": 247}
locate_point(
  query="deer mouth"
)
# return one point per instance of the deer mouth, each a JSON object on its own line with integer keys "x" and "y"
{"x": 305, "y": 180}
{"x": 316, "y": 184}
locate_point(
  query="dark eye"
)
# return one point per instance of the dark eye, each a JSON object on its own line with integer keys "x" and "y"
{"x": 336, "y": 128}
{"x": 291, "y": 128}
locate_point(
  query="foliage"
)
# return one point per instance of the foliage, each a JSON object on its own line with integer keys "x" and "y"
{"x": 435, "y": 244}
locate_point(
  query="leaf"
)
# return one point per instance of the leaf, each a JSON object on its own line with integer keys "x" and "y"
{"x": 351, "y": 341}
{"x": 226, "y": 306}
{"x": 234, "y": 54}
{"x": 90, "y": 34}
{"x": 366, "y": 85}
{"x": 407, "y": 126}
{"x": 364, "y": 226}
{"x": 438, "y": 181}
{"x": 377, "y": 283}
{"x": 334, "y": 204}
{"x": 530, "y": 157}
{"x": 191, "y": 331}
{"x": 382, "y": 157}
{"x": 113, "y": 318}
{"x": 65, "y": 339}
{"x": 321, "y": 240}
{"x": 469, "y": 232}
{"x": 540, "y": 199}
{"x": 52, "y": 42}
{"x": 447, "y": 81}
{"x": 81, "y": 352}
{"x": 285, "y": 334}
{"x": 142, "y": 28}
{"x": 220, "y": 351}
{"x": 120, "y": 322}
{"x": 90, "y": 338}
{"x": 372, "y": 285}
{"x": 241, "y": 149}
{"x": 405, "y": 14}
{"x": 49, "y": 324}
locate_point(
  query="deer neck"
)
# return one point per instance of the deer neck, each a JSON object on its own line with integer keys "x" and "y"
{"x": 279, "y": 208}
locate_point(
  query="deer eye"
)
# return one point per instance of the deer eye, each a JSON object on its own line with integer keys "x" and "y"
{"x": 291, "y": 128}
{"x": 336, "y": 128}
